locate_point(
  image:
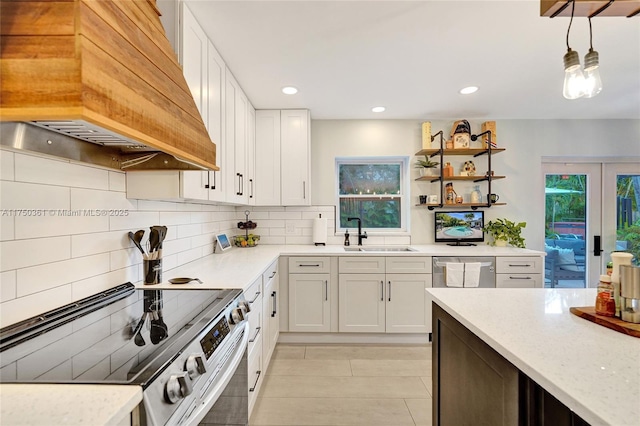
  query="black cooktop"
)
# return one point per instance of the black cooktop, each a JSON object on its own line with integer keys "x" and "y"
{"x": 123, "y": 335}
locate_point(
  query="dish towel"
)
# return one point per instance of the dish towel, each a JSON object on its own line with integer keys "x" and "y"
{"x": 454, "y": 274}
{"x": 472, "y": 274}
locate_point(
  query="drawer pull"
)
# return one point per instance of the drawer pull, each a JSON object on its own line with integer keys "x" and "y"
{"x": 273, "y": 275}
{"x": 312, "y": 266}
{"x": 389, "y": 291}
{"x": 520, "y": 266}
{"x": 326, "y": 290}
{"x": 520, "y": 278}
{"x": 255, "y": 298}
{"x": 275, "y": 304}
{"x": 256, "y": 335}
{"x": 382, "y": 291}
{"x": 256, "y": 383}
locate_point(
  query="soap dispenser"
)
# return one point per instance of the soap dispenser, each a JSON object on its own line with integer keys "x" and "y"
{"x": 346, "y": 238}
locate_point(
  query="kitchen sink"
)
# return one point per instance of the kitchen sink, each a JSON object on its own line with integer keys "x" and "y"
{"x": 379, "y": 249}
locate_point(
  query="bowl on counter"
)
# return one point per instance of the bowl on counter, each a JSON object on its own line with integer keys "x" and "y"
{"x": 244, "y": 241}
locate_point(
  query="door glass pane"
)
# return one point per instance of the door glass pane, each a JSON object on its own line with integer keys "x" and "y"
{"x": 565, "y": 230}
{"x": 627, "y": 215}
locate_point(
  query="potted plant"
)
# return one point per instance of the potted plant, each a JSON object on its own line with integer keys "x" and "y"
{"x": 426, "y": 166}
{"x": 504, "y": 231}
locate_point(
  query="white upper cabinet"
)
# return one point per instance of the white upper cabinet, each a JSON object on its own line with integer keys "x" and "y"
{"x": 283, "y": 158}
{"x": 267, "y": 154}
{"x": 216, "y": 70}
{"x": 295, "y": 157}
{"x": 236, "y": 138}
{"x": 251, "y": 154}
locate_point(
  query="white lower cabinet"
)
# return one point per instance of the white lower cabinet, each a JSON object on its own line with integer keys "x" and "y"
{"x": 381, "y": 302}
{"x": 309, "y": 302}
{"x": 270, "y": 313}
{"x": 254, "y": 297}
{"x": 519, "y": 272}
{"x": 255, "y": 375}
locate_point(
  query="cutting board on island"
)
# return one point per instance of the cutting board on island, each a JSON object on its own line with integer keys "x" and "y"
{"x": 589, "y": 313}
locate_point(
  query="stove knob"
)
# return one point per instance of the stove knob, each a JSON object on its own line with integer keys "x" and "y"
{"x": 178, "y": 387}
{"x": 245, "y": 306}
{"x": 236, "y": 316}
{"x": 195, "y": 366}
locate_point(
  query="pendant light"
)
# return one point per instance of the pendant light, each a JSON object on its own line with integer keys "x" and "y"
{"x": 574, "y": 82}
{"x": 592, "y": 80}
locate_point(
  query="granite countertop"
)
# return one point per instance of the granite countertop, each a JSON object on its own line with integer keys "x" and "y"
{"x": 240, "y": 267}
{"x": 591, "y": 369}
{"x": 81, "y": 405}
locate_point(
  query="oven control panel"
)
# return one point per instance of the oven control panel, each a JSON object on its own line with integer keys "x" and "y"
{"x": 214, "y": 337}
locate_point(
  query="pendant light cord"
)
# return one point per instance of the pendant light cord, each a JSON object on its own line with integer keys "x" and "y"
{"x": 590, "y": 35}
{"x": 573, "y": 8}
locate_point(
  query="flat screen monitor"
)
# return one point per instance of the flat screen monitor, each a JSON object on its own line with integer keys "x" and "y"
{"x": 459, "y": 228}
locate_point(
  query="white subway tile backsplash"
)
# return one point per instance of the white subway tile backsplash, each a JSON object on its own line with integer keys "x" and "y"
{"x": 135, "y": 220}
{"x": 285, "y": 215}
{"x": 185, "y": 231}
{"x": 117, "y": 181}
{"x": 87, "y": 287}
{"x": 23, "y": 253}
{"x": 210, "y": 227}
{"x": 299, "y": 240}
{"x": 168, "y": 262}
{"x": 176, "y": 246}
{"x": 254, "y": 215}
{"x": 156, "y": 206}
{"x": 99, "y": 242}
{"x": 59, "y": 372}
{"x": 189, "y": 255}
{"x": 189, "y": 207}
{"x": 8, "y": 288}
{"x": 91, "y": 199}
{"x": 50, "y": 275}
{"x": 200, "y": 217}
{"x": 6, "y": 165}
{"x": 120, "y": 259}
{"x": 22, "y": 308}
{"x": 175, "y": 218}
{"x": 28, "y": 196}
{"x": 52, "y": 226}
{"x": 202, "y": 240}
{"x": 398, "y": 240}
{"x": 7, "y": 228}
{"x": 9, "y": 372}
{"x": 48, "y": 171}
{"x": 101, "y": 369}
{"x": 272, "y": 240}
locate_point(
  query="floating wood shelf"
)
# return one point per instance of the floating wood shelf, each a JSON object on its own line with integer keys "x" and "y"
{"x": 463, "y": 178}
{"x": 470, "y": 151}
{"x": 552, "y": 8}
{"x": 472, "y": 205}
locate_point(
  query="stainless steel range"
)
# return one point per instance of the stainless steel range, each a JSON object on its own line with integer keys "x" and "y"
{"x": 185, "y": 348}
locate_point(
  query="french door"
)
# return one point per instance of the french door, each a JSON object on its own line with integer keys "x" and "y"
{"x": 573, "y": 224}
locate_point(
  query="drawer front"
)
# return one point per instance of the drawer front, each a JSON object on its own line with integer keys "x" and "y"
{"x": 408, "y": 265}
{"x": 361, "y": 265}
{"x": 519, "y": 265}
{"x": 270, "y": 273}
{"x": 518, "y": 281}
{"x": 309, "y": 265}
{"x": 253, "y": 293}
{"x": 255, "y": 376}
{"x": 256, "y": 328}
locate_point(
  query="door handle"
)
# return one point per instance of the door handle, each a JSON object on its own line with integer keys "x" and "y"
{"x": 251, "y": 188}
{"x": 389, "y": 291}
{"x": 206, "y": 186}
{"x": 597, "y": 245}
{"x": 275, "y": 304}
{"x": 381, "y": 291}
{"x": 214, "y": 181}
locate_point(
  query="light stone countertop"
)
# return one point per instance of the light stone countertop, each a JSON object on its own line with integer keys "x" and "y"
{"x": 39, "y": 405}
{"x": 240, "y": 267}
{"x": 591, "y": 369}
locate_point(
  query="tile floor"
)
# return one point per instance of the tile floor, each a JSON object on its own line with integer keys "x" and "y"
{"x": 326, "y": 385}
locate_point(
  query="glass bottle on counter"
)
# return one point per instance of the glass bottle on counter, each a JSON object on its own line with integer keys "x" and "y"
{"x": 605, "y": 302}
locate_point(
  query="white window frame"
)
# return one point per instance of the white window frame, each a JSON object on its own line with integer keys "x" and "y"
{"x": 404, "y": 195}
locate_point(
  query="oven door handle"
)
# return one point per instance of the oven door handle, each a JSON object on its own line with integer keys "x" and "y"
{"x": 224, "y": 377}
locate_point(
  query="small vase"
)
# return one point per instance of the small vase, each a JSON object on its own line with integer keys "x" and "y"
{"x": 500, "y": 243}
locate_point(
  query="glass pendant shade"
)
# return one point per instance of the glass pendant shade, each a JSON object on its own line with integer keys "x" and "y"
{"x": 574, "y": 82}
{"x": 592, "y": 80}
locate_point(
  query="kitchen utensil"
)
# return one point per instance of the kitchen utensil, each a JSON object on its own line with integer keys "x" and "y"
{"x": 132, "y": 237}
{"x": 183, "y": 280}
{"x": 154, "y": 239}
{"x": 138, "y": 339}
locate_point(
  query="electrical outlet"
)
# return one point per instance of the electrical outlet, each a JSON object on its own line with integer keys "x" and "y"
{"x": 290, "y": 228}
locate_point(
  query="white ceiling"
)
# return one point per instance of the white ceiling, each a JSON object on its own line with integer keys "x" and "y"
{"x": 414, "y": 56}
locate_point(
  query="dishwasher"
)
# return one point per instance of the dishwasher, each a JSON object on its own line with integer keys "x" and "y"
{"x": 485, "y": 279}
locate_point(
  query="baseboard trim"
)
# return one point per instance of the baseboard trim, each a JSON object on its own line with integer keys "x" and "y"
{"x": 355, "y": 338}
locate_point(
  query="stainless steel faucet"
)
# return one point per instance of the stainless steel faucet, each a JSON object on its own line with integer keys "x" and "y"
{"x": 361, "y": 236}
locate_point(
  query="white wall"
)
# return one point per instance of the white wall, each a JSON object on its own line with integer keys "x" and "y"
{"x": 526, "y": 142}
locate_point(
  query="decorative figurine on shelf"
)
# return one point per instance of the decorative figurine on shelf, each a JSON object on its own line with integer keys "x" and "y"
{"x": 461, "y": 134}
{"x": 469, "y": 168}
{"x": 447, "y": 171}
{"x": 450, "y": 194}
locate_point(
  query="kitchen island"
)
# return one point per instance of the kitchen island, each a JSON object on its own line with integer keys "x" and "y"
{"x": 593, "y": 372}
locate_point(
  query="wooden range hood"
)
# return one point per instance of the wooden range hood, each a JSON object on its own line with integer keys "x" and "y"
{"x": 592, "y": 8}
{"x": 102, "y": 71}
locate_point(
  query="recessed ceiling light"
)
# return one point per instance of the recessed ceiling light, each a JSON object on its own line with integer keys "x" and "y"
{"x": 469, "y": 90}
{"x": 378, "y": 109}
{"x": 289, "y": 90}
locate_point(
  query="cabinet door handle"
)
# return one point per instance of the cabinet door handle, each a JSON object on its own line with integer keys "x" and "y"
{"x": 206, "y": 186}
{"x": 256, "y": 383}
{"x": 326, "y": 290}
{"x": 526, "y": 265}
{"x": 519, "y": 278}
{"x": 255, "y": 298}
{"x": 304, "y": 190}
{"x": 251, "y": 188}
{"x": 273, "y": 275}
{"x": 255, "y": 336}
{"x": 241, "y": 184}
{"x": 238, "y": 176}
{"x": 381, "y": 291}
{"x": 309, "y": 265}
{"x": 214, "y": 181}
{"x": 275, "y": 304}
{"x": 389, "y": 291}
